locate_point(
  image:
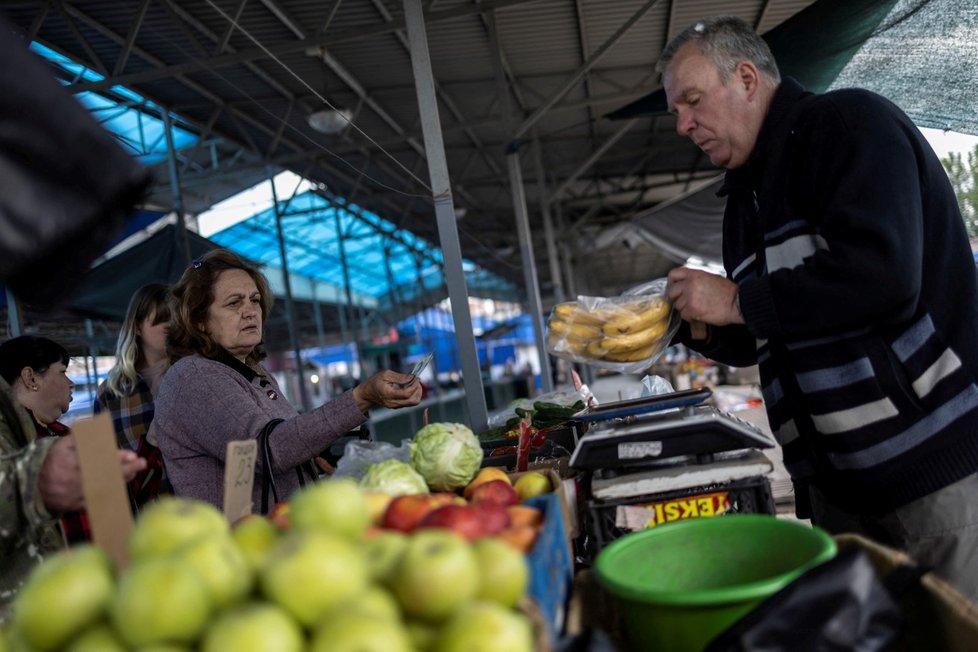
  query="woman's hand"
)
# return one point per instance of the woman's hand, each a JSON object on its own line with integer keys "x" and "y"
{"x": 388, "y": 388}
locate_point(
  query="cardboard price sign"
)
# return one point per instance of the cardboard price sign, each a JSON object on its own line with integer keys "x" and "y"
{"x": 239, "y": 478}
{"x": 109, "y": 513}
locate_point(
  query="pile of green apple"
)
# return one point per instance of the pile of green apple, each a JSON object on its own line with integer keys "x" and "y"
{"x": 328, "y": 582}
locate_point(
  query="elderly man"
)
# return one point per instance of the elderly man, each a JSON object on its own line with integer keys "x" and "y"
{"x": 850, "y": 282}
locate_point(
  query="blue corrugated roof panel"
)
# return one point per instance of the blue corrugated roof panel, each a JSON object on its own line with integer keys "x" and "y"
{"x": 381, "y": 259}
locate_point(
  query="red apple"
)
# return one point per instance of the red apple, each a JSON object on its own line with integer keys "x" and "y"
{"x": 464, "y": 520}
{"x": 281, "y": 516}
{"x": 494, "y": 517}
{"x": 496, "y": 491}
{"x": 406, "y": 511}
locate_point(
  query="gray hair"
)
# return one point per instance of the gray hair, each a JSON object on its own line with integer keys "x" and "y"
{"x": 726, "y": 40}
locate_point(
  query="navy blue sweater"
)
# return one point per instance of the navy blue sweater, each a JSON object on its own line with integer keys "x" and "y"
{"x": 858, "y": 289}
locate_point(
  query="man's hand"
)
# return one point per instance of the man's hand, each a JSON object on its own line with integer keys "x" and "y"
{"x": 388, "y": 388}
{"x": 60, "y": 481}
{"x": 699, "y": 296}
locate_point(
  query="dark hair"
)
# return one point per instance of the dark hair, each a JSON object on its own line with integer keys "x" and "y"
{"x": 726, "y": 40}
{"x": 38, "y": 353}
{"x": 192, "y": 296}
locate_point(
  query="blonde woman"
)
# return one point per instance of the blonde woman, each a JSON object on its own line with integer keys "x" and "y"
{"x": 129, "y": 391}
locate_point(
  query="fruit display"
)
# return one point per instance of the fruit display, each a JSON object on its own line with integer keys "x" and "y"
{"x": 620, "y": 333}
{"x": 330, "y": 577}
{"x": 383, "y": 565}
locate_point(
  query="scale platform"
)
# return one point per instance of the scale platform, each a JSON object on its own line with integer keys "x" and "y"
{"x": 669, "y": 437}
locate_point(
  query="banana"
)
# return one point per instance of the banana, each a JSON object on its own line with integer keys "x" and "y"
{"x": 656, "y": 309}
{"x": 574, "y": 312}
{"x": 574, "y": 331}
{"x": 636, "y": 339}
{"x": 631, "y": 356}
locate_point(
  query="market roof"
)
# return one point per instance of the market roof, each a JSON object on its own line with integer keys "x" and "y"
{"x": 244, "y": 81}
{"x": 330, "y": 240}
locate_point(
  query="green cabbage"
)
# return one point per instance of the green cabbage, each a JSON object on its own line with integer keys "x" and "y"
{"x": 448, "y": 455}
{"x": 393, "y": 477}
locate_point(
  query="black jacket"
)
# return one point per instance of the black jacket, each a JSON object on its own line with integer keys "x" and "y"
{"x": 858, "y": 288}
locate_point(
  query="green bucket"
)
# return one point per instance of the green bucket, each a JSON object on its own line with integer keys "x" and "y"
{"x": 679, "y": 585}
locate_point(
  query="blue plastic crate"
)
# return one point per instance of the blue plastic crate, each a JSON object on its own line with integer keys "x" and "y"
{"x": 551, "y": 564}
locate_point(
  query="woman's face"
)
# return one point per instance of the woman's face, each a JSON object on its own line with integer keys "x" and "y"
{"x": 53, "y": 394}
{"x": 152, "y": 338}
{"x": 234, "y": 317}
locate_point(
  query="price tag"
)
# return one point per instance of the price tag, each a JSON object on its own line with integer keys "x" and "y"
{"x": 239, "y": 478}
{"x": 109, "y": 513}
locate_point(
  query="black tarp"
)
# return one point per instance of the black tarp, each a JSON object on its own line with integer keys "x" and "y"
{"x": 105, "y": 291}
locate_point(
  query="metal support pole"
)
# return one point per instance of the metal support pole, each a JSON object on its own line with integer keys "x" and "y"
{"x": 521, "y": 217}
{"x": 548, "y": 226}
{"x": 350, "y": 331}
{"x": 320, "y": 337}
{"x": 171, "y": 159}
{"x": 475, "y": 399}
{"x": 529, "y": 266}
{"x": 289, "y": 302}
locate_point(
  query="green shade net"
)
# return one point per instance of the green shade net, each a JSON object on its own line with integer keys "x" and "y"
{"x": 813, "y": 46}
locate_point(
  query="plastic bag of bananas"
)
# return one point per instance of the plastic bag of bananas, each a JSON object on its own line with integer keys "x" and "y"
{"x": 626, "y": 333}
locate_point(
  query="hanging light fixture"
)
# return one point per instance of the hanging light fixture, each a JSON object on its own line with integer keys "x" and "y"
{"x": 328, "y": 119}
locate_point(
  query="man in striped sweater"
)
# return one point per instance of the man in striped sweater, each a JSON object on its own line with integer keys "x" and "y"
{"x": 850, "y": 282}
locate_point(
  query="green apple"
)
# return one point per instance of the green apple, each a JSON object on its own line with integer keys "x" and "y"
{"x": 254, "y": 627}
{"x": 421, "y": 633}
{"x": 532, "y": 483}
{"x": 503, "y": 571}
{"x": 165, "y": 647}
{"x": 337, "y": 506}
{"x": 99, "y": 638}
{"x": 360, "y": 632}
{"x": 437, "y": 572}
{"x": 220, "y": 563}
{"x": 383, "y": 551}
{"x": 375, "y": 602}
{"x": 311, "y": 573}
{"x": 169, "y": 523}
{"x": 62, "y": 596}
{"x": 160, "y": 600}
{"x": 255, "y": 536}
{"x": 481, "y": 626}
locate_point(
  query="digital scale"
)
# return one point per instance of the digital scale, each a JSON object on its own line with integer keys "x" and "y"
{"x": 665, "y": 429}
{"x": 667, "y": 457}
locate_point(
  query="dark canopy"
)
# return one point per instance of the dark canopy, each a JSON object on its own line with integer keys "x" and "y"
{"x": 160, "y": 258}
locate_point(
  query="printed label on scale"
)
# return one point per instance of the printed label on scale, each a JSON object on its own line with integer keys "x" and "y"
{"x": 636, "y": 450}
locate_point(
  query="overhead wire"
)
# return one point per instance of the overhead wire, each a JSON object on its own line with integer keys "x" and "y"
{"x": 322, "y": 99}
{"x": 477, "y": 241}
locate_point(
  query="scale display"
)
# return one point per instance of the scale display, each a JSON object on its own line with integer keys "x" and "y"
{"x": 692, "y": 432}
{"x": 645, "y": 405}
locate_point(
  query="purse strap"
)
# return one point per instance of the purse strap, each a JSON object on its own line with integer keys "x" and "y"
{"x": 267, "y": 480}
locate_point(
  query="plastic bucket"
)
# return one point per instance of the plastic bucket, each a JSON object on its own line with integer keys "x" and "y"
{"x": 677, "y": 586}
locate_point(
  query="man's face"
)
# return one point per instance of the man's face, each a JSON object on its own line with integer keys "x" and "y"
{"x": 717, "y": 116}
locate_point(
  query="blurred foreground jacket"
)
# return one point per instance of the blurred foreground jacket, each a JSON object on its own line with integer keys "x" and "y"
{"x": 66, "y": 185}
{"x": 66, "y": 188}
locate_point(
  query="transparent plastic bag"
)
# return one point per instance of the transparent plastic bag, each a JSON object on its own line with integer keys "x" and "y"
{"x": 567, "y": 397}
{"x": 361, "y": 453}
{"x": 626, "y": 333}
